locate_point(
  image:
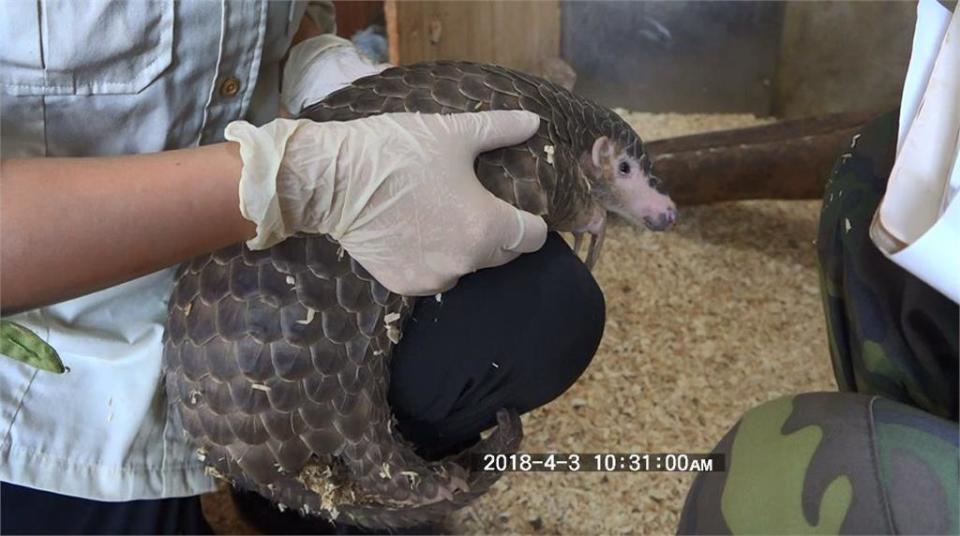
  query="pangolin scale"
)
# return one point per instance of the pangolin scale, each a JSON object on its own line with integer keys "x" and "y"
{"x": 277, "y": 361}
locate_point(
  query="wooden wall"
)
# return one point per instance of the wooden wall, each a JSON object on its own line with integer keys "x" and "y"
{"x": 843, "y": 56}
{"x": 514, "y": 34}
{"x": 355, "y": 15}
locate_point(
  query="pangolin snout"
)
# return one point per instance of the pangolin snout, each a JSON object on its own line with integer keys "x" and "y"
{"x": 661, "y": 222}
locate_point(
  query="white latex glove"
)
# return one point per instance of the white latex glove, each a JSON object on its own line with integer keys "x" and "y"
{"x": 398, "y": 191}
{"x": 319, "y": 66}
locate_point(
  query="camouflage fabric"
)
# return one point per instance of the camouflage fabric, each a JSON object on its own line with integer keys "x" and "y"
{"x": 880, "y": 462}
{"x": 831, "y": 463}
{"x": 890, "y": 333}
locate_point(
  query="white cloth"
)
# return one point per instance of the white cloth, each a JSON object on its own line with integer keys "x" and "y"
{"x": 920, "y": 208}
{"x": 102, "y": 78}
{"x": 342, "y": 64}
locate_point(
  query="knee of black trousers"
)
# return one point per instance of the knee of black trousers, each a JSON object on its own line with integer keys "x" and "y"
{"x": 514, "y": 336}
{"x": 33, "y": 511}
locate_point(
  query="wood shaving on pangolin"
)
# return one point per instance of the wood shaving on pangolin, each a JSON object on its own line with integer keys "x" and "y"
{"x": 277, "y": 361}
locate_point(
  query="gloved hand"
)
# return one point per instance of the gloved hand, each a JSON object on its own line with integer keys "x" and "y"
{"x": 319, "y": 66}
{"x": 398, "y": 191}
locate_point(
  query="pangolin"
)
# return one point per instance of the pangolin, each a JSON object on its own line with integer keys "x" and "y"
{"x": 277, "y": 361}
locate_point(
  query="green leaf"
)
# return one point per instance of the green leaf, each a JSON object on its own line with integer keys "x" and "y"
{"x": 18, "y": 342}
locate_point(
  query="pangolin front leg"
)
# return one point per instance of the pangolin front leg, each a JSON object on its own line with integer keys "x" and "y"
{"x": 596, "y": 243}
{"x": 594, "y": 224}
{"x": 577, "y": 242}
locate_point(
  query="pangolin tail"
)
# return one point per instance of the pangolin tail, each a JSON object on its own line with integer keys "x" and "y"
{"x": 458, "y": 480}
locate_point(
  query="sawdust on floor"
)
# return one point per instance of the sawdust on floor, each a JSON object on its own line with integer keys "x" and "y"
{"x": 703, "y": 322}
{"x": 659, "y": 126}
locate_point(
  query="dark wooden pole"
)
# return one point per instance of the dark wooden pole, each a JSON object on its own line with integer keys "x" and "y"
{"x": 786, "y": 160}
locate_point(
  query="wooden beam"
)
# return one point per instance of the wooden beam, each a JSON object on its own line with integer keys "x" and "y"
{"x": 785, "y": 160}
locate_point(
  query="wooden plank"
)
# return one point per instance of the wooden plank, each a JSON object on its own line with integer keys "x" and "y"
{"x": 546, "y": 33}
{"x": 515, "y": 34}
{"x": 454, "y": 30}
{"x": 479, "y": 33}
{"x": 786, "y": 160}
{"x": 509, "y": 19}
{"x": 442, "y": 38}
{"x": 526, "y": 33}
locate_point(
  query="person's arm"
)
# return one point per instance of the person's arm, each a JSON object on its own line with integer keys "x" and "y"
{"x": 396, "y": 190}
{"x": 71, "y": 226}
{"x": 76, "y": 225}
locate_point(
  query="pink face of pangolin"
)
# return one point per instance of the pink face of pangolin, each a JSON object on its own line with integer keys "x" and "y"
{"x": 627, "y": 186}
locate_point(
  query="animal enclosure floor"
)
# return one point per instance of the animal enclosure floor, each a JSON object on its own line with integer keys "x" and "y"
{"x": 703, "y": 322}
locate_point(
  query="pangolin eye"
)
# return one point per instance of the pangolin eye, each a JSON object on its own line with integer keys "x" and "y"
{"x": 625, "y": 168}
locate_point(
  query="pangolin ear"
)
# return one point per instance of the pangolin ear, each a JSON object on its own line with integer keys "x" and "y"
{"x": 602, "y": 151}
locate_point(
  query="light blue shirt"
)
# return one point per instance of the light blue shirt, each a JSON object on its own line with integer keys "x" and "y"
{"x": 94, "y": 77}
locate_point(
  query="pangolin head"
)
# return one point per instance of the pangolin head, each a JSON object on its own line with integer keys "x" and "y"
{"x": 621, "y": 174}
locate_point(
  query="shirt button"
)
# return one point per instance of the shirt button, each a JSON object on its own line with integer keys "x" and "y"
{"x": 229, "y": 87}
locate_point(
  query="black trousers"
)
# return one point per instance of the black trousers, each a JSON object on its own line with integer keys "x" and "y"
{"x": 514, "y": 336}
